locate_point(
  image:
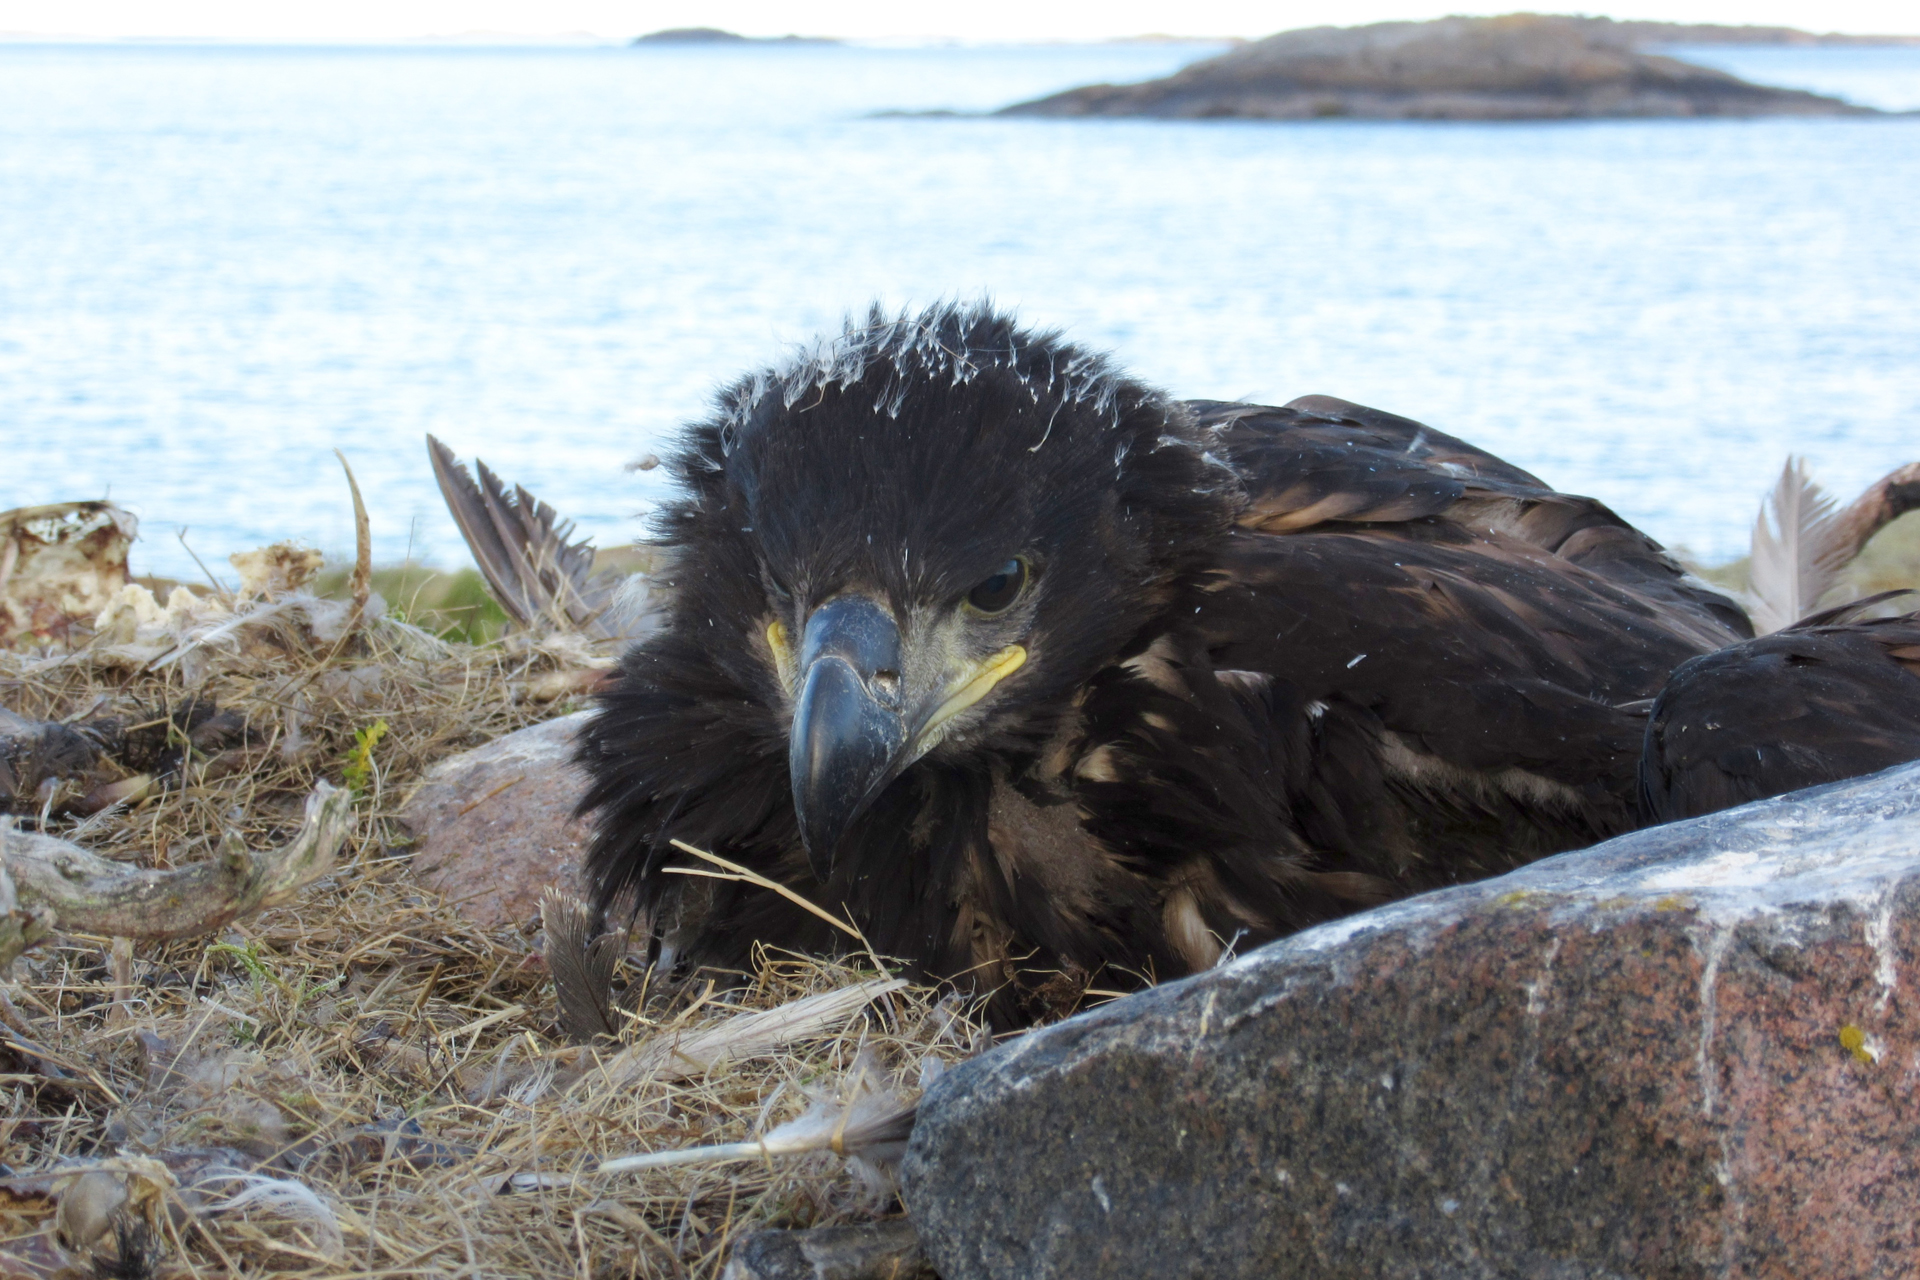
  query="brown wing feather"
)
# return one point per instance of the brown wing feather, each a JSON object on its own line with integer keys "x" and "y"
{"x": 1439, "y": 634}
{"x": 582, "y": 963}
{"x": 521, "y": 545}
{"x": 1319, "y": 462}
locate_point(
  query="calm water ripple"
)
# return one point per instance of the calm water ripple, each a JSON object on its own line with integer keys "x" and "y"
{"x": 218, "y": 264}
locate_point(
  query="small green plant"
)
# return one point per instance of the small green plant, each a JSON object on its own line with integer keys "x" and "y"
{"x": 247, "y": 957}
{"x": 359, "y": 768}
{"x": 454, "y": 605}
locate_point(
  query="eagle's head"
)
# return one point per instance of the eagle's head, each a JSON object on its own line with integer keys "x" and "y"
{"x": 920, "y": 539}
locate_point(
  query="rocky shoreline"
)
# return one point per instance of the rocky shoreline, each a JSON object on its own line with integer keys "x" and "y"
{"x": 1519, "y": 67}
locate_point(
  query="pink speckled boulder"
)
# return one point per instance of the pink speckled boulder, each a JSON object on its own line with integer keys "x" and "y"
{"x": 494, "y": 826}
{"x": 1691, "y": 1051}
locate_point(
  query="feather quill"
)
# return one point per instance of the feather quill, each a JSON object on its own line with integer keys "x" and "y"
{"x": 868, "y": 1121}
{"x": 680, "y": 1056}
{"x": 1796, "y": 550}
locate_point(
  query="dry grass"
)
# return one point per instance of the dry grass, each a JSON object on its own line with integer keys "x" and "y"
{"x": 388, "y": 1074}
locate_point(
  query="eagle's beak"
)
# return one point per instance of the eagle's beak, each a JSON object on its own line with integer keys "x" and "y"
{"x": 850, "y": 732}
{"x": 855, "y": 726}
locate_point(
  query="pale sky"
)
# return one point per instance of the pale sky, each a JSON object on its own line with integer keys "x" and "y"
{"x": 991, "y": 20}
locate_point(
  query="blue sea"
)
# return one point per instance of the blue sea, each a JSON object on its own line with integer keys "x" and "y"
{"x": 218, "y": 264}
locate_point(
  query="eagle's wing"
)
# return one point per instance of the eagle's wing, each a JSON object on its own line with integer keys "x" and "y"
{"x": 1452, "y": 661}
{"x": 1803, "y": 706}
{"x": 1301, "y": 430}
{"x": 1321, "y": 463}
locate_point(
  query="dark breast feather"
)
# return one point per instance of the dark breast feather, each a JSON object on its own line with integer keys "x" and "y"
{"x": 681, "y": 751}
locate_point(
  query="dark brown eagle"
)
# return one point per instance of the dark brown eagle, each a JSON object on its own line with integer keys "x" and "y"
{"x": 1050, "y": 682}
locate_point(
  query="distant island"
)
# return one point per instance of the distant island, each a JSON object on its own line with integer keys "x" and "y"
{"x": 1640, "y": 34}
{"x": 714, "y": 35}
{"x": 1517, "y": 67}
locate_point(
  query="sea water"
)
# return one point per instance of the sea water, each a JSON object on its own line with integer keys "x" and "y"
{"x": 219, "y": 264}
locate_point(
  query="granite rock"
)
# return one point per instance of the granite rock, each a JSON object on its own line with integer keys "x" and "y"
{"x": 493, "y": 827}
{"x": 1517, "y": 67}
{"x": 1689, "y": 1051}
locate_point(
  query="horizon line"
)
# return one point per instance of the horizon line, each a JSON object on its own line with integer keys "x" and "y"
{"x": 594, "y": 38}
{"x": 493, "y": 36}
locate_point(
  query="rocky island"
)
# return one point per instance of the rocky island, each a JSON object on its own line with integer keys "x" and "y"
{"x": 714, "y": 35}
{"x": 1517, "y": 67}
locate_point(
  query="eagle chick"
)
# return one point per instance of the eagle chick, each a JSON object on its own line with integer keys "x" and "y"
{"x": 1050, "y": 681}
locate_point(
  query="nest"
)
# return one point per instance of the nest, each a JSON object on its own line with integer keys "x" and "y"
{"x": 363, "y": 1082}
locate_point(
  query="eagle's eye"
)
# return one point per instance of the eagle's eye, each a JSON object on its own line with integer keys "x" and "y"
{"x": 994, "y": 595}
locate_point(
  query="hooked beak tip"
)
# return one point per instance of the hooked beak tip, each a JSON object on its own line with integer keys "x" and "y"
{"x": 846, "y": 743}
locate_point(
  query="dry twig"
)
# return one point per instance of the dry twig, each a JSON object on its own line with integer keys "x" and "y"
{"x": 86, "y": 893}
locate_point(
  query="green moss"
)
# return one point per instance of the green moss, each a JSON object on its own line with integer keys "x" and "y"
{"x": 248, "y": 957}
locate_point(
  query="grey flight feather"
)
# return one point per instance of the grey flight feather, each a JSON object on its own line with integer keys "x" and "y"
{"x": 1801, "y": 542}
{"x": 1795, "y": 556}
{"x": 521, "y": 545}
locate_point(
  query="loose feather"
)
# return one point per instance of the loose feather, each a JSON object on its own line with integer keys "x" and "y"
{"x": 293, "y": 1200}
{"x": 676, "y": 1056}
{"x": 521, "y": 545}
{"x": 1796, "y": 553}
{"x": 867, "y": 1121}
{"x": 582, "y": 966}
